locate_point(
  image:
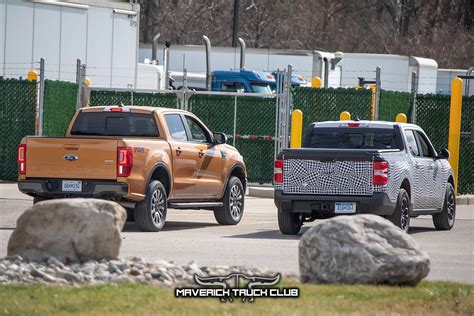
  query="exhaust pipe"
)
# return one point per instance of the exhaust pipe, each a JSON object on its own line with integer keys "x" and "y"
{"x": 155, "y": 46}
{"x": 242, "y": 53}
{"x": 207, "y": 42}
{"x": 166, "y": 64}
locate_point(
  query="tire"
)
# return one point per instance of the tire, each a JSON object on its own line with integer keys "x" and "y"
{"x": 289, "y": 223}
{"x": 445, "y": 220}
{"x": 401, "y": 215}
{"x": 38, "y": 199}
{"x": 232, "y": 210}
{"x": 150, "y": 214}
{"x": 130, "y": 214}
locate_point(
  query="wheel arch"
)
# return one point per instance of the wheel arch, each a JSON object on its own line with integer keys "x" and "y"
{"x": 407, "y": 186}
{"x": 161, "y": 173}
{"x": 237, "y": 170}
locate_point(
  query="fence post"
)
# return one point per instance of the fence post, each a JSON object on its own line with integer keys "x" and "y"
{"x": 41, "y": 98}
{"x": 414, "y": 90}
{"x": 377, "y": 93}
{"x": 454, "y": 139}
{"x": 79, "y": 82}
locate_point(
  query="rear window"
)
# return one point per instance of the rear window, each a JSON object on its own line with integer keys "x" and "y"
{"x": 353, "y": 138}
{"x": 115, "y": 124}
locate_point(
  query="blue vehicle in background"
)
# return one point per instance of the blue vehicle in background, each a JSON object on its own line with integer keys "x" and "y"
{"x": 243, "y": 81}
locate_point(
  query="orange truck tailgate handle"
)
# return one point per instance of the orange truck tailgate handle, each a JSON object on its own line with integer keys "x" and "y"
{"x": 71, "y": 146}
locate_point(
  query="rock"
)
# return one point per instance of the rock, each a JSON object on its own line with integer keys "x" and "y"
{"x": 360, "y": 249}
{"x": 135, "y": 271}
{"x": 69, "y": 276}
{"x": 69, "y": 230}
{"x": 54, "y": 261}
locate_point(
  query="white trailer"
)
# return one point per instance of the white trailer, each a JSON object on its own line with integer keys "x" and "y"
{"x": 446, "y": 76}
{"x": 103, "y": 34}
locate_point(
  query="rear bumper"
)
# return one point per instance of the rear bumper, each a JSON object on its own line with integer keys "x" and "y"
{"x": 51, "y": 188}
{"x": 323, "y": 206}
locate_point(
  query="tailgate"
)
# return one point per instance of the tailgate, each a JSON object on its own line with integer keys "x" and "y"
{"x": 328, "y": 172}
{"x": 71, "y": 158}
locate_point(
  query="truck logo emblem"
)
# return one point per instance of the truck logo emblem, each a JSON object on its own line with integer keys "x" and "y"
{"x": 71, "y": 157}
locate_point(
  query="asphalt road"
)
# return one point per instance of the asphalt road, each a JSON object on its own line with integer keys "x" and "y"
{"x": 256, "y": 241}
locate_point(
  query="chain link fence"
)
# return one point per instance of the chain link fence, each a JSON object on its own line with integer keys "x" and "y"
{"x": 327, "y": 104}
{"x": 466, "y": 155}
{"x": 115, "y": 97}
{"x": 393, "y": 103}
{"x": 18, "y": 100}
{"x": 60, "y": 100}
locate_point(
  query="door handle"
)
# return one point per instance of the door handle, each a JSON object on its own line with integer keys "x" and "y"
{"x": 178, "y": 151}
{"x": 201, "y": 153}
{"x": 417, "y": 165}
{"x": 431, "y": 167}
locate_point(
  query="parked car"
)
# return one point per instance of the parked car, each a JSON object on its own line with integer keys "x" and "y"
{"x": 145, "y": 158}
{"x": 352, "y": 167}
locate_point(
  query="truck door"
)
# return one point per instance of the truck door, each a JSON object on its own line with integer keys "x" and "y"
{"x": 210, "y": 177}
{"x": 421, "y": 174}
{"x": 435, "y": 186}
{"x": 184, "y": 158}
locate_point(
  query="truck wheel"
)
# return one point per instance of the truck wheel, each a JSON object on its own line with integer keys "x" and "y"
{"x": 130, "y": 214}
{"x": 445, "y": 219}
{"x": 150, "y": 214}
{"x": 234, "y": 200}
{"x": 401, "y": 215}
{"x": 289, "y": 223}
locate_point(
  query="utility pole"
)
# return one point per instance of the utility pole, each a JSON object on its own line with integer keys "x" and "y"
{"x": 235, "y": 28}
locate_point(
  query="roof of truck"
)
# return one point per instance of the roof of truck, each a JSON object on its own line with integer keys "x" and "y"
{"x": 363, "y": 123}
{"x": 133, "y": 108}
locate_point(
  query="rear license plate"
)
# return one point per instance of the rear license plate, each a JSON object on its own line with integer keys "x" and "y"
{"x": 72, "y": 186}
{"x": 345, "y": 208}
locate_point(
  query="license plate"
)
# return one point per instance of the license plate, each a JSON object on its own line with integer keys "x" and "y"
{"x": 72, "y": 186}
{"x": 345, "y": 208}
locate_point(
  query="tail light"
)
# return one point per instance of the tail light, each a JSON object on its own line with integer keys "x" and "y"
{"x": 278, "y": 171}
{"x": 380, "y": 172}
{"x": 124, "y": 161}
{"x": 22, "y": 159}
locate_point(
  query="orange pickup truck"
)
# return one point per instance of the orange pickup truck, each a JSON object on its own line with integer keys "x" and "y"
{"x": 145, "y": 158}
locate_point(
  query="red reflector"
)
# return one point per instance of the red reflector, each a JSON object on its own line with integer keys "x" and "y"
{"x": 116, "y": 110}
{"x": 380, "y": 176}
{"x": 22, "y": 159}
{"x": 278, "y": 171}
{"x": 124, "y": 161}
{"x": 353, "y": 124}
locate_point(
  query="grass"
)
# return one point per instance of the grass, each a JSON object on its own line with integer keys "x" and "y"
{"x": 429, "y": 298}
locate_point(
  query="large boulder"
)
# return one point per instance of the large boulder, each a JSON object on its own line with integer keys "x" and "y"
{"x": 360, "y": 249}
{"x": 70, "y": 230}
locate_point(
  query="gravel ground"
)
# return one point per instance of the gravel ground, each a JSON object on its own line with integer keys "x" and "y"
{"x": 16, "y": 270}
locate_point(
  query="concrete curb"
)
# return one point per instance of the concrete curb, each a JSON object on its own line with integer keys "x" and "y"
{"x": 267, "y": 193}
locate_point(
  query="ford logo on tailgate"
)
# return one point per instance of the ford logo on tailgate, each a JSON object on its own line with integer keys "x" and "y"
{"x": 71, "y": 157}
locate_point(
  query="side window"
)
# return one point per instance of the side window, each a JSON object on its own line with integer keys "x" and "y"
{"x": 411, "y": 143}
{"x": 176, "y": 127}
{"x": 425, "y": 147}
{"x": 232, "y": 86}
{"x": 198, "y": 134}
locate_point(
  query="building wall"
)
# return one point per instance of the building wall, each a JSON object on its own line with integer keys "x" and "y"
{"x": 105, "y": 40}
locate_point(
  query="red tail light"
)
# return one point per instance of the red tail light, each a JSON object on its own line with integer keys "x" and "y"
{"x": 380, "y": 172}
{"x": 124, "y": 161}
{"x": 22, "y": 159}
{"x": 278, "y": 171}
{"x": 353, "y": 124}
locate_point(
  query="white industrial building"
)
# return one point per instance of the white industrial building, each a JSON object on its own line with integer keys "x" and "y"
{"x": 104, "y": 35}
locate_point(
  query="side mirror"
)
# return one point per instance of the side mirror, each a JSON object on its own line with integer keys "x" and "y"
{"x": 219, "y": 138}
{"x": 443, "y": 154}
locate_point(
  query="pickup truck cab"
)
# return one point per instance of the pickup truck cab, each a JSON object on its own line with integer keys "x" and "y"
{"x": 145, "y": 158}
{"x": 352, "y": 167}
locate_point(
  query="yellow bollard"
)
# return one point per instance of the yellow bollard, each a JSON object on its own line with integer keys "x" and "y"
{"x": 316, "y": 82}
{"x": 296, "y": 129}
{"x": 32, "y": 75}
{"x": 401, "y": 118}
{"x": 454, "y": 139}
{"x": 372, "y": 111}
{"x": 345, "y": 116}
